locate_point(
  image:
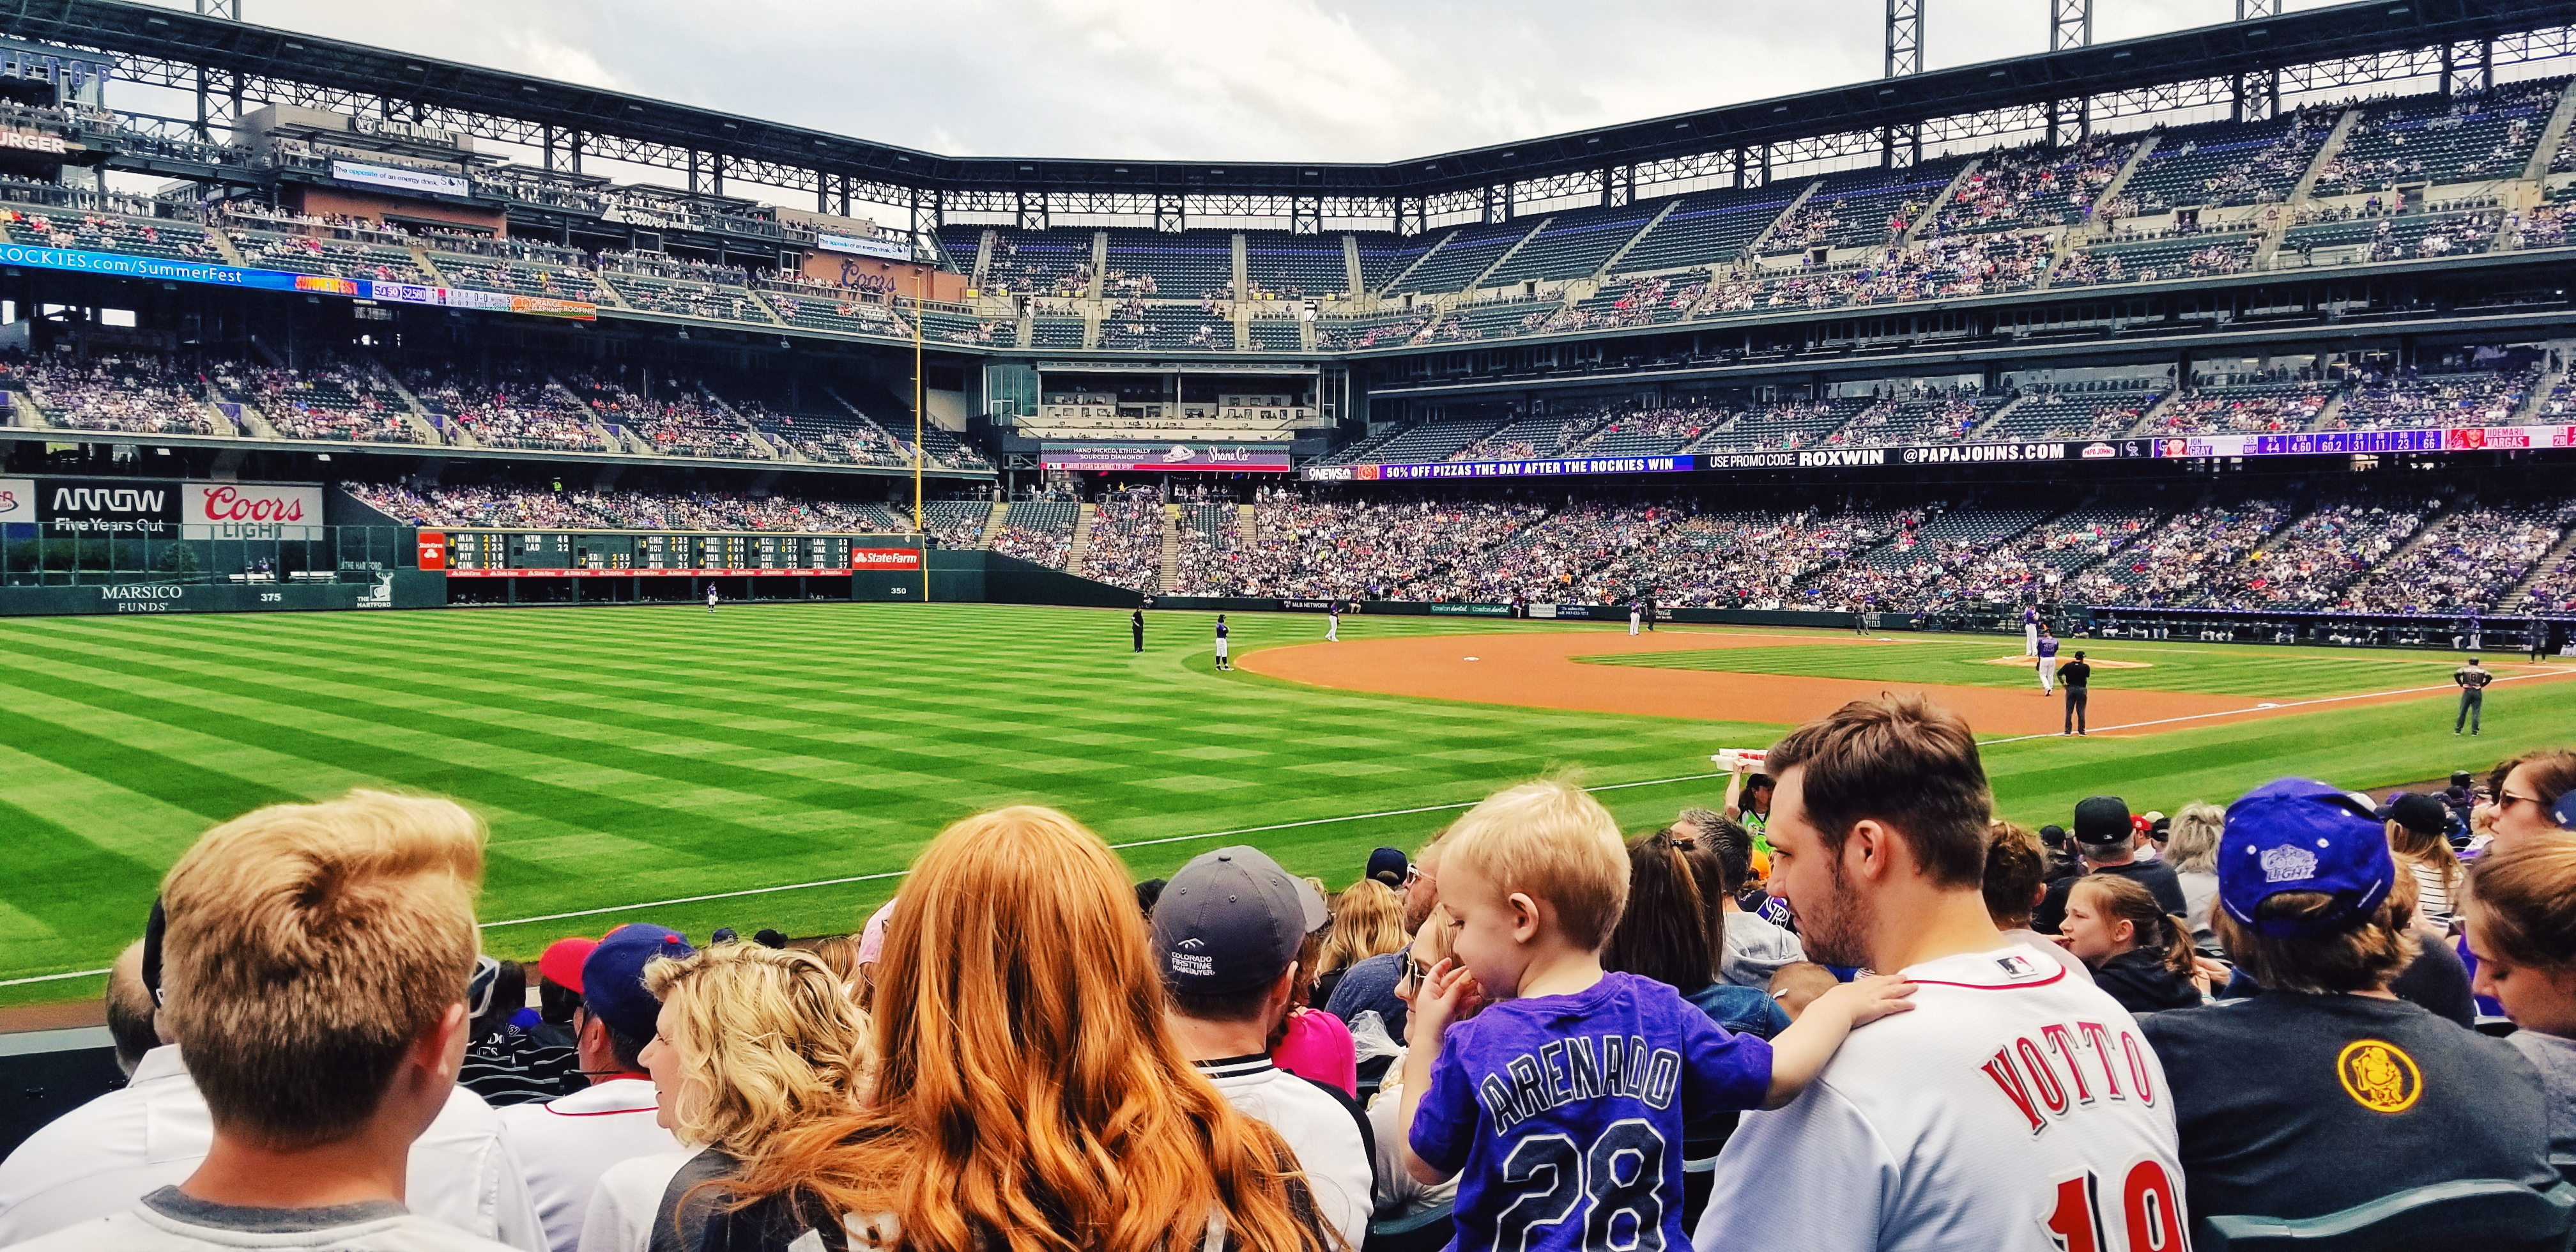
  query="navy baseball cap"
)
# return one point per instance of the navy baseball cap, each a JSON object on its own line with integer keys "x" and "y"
{"x": 2102, "y": 822}
{"x": 1231, "y": 920}
{"x": 2564, "y": 812}
{"x": 2420, "y": 813}
{"x": 1388, "y": 865}
{"x": 612, "y": 976}
{"x": 2298, "y": 834}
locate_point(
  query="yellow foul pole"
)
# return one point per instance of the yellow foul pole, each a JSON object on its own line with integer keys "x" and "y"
{"x": 919, "y": 277}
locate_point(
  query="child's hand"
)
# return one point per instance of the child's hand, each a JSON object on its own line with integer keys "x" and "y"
{"x": 1438, "y": 1001}
{"x": 1868, "y": 999}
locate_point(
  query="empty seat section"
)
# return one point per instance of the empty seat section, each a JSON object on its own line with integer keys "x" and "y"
{"x": 1146, "y": 265}
{"x": 1708, "y": 228}
{"x": 1573, "y": 245}
{"x": 1465, "y": 255}
{"x": 1286, "y": 266}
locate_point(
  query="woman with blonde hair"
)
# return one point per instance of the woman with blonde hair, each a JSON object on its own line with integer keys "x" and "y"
{"x": 1368, "y": 920}
{"x": 2191, "y": 848}
{"x": 1030, "y": 1093}
{"x": 751, "y": 1042}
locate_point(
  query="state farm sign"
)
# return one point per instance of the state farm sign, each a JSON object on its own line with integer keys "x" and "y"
{"x": 885, "y": 558}
{"x": 249, "y": 511}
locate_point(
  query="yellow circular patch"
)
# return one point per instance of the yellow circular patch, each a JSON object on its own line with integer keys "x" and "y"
{"x": 2379, "y": 1076}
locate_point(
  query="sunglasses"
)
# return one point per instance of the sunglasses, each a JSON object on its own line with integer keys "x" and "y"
{"x": 1413, "y": 874}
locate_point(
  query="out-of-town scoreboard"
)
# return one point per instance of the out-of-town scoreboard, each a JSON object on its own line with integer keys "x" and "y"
{"x": 558, "y": 554}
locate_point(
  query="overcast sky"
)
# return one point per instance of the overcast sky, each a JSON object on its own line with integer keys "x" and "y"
{"x": 1233, "y": 79}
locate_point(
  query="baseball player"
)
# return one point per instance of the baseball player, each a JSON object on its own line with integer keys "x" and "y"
{"x": 711, "y": 598}
{"x": 1137, "y": 623}
{"x": 2472, "y": 679}
{"x": 2029, "y": 630}
{"x": 1636, "y": 612}
{"x": 1333, "y": 621}
{"x": 2050, "y": 1110}
{"x": 1221, "y": 663}
{"x": 2047, "y": 662}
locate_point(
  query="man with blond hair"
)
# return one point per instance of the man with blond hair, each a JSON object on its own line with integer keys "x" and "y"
{"x": 313, "y": 963}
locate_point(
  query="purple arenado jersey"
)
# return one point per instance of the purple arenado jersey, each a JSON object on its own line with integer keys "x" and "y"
{"x": 1562, "y": 1115}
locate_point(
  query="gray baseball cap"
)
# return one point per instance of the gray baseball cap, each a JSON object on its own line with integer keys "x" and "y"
{"x": 1231, "y": 920}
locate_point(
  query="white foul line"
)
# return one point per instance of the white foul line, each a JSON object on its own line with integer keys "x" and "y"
{"x": 1139, "y": 843}
{"x": 2274, "y": 707}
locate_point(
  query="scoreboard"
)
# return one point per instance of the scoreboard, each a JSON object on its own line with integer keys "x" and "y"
{"x": 538, "y": 554}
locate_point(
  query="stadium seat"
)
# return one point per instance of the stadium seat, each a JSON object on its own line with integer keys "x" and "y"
{"x": 2490, "y": 1215}
{"x": 1426, "y": 1231}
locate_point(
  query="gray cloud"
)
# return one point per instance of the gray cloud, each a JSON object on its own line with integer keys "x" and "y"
{"x": 1234, "y": 79}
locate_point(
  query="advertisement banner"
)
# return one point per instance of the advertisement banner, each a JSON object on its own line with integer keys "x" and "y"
{"x": 97, "y": 507}
{"x": 433, "y": 550}
{"x": 164, "y": 269}
{"x": 1526, "y": 469}
{"x": 1471, "y": 610}
{"x": 247, "y": 511}
{"x": 2371, "y": 442}
{"x": 397, "y": 179}
{"x": 1269, "y": 458}
{"x": 858, "y": 245}
{"x": 17, "y": 500}
{"x": 885, "y": 558}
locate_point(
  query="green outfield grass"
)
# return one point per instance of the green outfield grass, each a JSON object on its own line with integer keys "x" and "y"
{"x": 625, "y": 755}
{"x": 2210, "y": 669}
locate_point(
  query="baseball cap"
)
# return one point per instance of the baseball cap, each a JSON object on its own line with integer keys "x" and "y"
{"x": 1231, "y": 920}
{"x": 612, "y": 977}
{"x": 2053, "y": 835}
{"x": 2298, "y": 834}
{"x": 1387, "y": 865}
{"x": 561, "y": 965}
{"x": 2422, "y": 814}
{"x": 2102, "y": 821}
{"x": 2564, "y": 812}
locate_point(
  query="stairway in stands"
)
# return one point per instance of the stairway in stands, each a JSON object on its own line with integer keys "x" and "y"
{"x": 1081, "y": 536}
{"x": 1170, "y": 569}
{"x": 993, "y": 524}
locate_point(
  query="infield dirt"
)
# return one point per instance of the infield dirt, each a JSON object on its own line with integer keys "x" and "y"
{"x": 1539, "y": 670}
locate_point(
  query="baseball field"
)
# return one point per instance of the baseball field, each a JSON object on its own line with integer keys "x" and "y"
{"x": 780, "y": 765}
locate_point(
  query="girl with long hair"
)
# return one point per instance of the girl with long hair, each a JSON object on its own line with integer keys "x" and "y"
{"x": 1368, "y": 920}
{"x": 751, "y": 1043}
{"x": 2191, "y": 848}
{"x": 1030, "y": 1095}
{"x": 1664, "y": 933}
{"x": 2137, "y": 951}
{"x": 2521, "y": 920}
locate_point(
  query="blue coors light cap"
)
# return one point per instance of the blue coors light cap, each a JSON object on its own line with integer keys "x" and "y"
{"x": 2298, "y": 834}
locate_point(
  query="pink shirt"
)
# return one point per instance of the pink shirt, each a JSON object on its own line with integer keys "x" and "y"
{"x": 1318, "y": 1046}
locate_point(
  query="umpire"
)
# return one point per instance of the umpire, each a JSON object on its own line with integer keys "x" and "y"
{"x": 2077, "y": 678}
{"x": 2473, "y": 682}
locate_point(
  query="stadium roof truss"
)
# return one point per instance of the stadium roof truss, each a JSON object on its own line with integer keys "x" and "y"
{"x": 2247, "y": 67}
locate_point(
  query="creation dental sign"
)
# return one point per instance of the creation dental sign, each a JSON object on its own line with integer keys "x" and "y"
{"x": 1257, "y": 458}
{"x": 393, "y": 178}
{"x": 164, "y": 269}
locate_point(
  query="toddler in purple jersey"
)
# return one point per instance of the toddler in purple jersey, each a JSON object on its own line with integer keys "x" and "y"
{"x": 1559, "y": 1108}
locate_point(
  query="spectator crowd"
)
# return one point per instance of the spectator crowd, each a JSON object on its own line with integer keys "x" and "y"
{"x": 1767, "y": 1024}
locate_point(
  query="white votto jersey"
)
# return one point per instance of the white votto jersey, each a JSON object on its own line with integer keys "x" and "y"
{"x": 2015, "y": 1108}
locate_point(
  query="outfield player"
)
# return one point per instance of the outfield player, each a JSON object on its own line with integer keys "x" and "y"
{"x": 2015, "y": 1103}
{"x": 1221, "y": 662}
{"x": 2029, "y": 630}
{"x": 1333, "y": 620}
{"x": 711, "y": 598}
{"x": 2472, "y": 679}
{"x": 2047, "y": 662}
{"x": 1136, "y": 622}
{"x": 1636, "y": 612}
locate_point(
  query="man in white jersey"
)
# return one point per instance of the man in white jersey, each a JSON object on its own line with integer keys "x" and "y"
{"x": 2015, "y": 1108}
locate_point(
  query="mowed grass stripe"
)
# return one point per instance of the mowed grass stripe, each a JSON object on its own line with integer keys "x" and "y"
{"x": 1186, "y": 727}
{"x": 68, "y": 885}
{"x": 2288, "y": 675}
